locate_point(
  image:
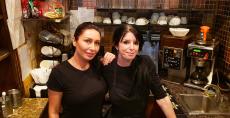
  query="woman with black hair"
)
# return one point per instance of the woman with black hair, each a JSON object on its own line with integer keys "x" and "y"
{"x": 130, "y": 77}
{"x": 75, "y": 87}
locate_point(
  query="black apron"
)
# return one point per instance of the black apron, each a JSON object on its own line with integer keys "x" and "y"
{"x": 125, "y": 106}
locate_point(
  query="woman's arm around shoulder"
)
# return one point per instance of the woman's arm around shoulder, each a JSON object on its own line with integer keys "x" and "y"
{"x": 108, "y": 58}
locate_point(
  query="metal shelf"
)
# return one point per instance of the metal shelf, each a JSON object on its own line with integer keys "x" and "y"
{"x": 4, "y": 54}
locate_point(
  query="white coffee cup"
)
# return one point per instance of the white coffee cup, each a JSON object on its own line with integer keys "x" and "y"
{"x": 183, "y": 20}
{"x": 117, "y": 21}
{"x": 124, "y": 18}
{"x": 130, "y": 20}
{"x": 142, "y": 21}
{"x": 107, "y": 20}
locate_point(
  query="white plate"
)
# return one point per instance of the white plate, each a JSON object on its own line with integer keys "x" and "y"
{"x": 50, "y": 51}
{"x": 48, "y": 64}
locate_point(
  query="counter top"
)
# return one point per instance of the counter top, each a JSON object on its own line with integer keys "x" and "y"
{"x": 176, "y": 89}
{"x": 31, "y": 108}
{"x": 34, "y": 107}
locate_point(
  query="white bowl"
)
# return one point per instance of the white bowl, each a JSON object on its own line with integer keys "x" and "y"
{"x": 179, "y": 32}
{"x": 40, "y": 75}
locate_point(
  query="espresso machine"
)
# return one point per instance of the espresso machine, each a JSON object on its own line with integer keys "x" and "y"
{"x": 202, "y": 62}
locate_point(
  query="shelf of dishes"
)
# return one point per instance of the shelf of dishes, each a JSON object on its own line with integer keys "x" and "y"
{"x": 156, "y": 4}
{"x": 4, "y": 54}
{"x": 53, "y": 50}
{"x": 156, "y": 19}
{"x": 54, "y": 44}
{"x": 139, "y": 9}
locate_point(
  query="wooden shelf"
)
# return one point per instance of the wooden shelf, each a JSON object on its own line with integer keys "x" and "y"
{"x": 155, "y": 10}
{"x": 4, "y": 54}
{"x": 104, "y": 24}
{"x": 202, "y": 10}
{"x": 172, "y": 10}
{"x": 46, "y": 19}
{"x": 148, "y": 25}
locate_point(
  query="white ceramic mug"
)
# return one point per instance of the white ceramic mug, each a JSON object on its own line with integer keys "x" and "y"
{"x": 142, "y": 21}
{"x": 184, "y": 20}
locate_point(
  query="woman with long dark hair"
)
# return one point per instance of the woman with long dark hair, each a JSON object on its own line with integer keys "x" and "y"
{"x": 75, "y": 87}
{"x": 130, "y": 77}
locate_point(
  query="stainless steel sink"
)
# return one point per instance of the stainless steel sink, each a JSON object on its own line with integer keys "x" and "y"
{"x": 195, "y": 104}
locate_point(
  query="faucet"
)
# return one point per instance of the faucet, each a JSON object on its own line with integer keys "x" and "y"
{"x": 213, "y": 92}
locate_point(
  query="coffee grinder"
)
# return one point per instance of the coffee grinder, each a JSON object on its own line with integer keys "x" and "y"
{"x": 174, "y": 58}
{"x": 202, "y": 54}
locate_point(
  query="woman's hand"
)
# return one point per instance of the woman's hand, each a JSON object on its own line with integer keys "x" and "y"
{"x": 108, "y": 58}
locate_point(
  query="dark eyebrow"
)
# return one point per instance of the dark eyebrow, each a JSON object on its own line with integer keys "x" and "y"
{"x": 88, "y": 38}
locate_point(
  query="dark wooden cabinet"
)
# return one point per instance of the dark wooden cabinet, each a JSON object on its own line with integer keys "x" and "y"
{"x": 10, "y": 72}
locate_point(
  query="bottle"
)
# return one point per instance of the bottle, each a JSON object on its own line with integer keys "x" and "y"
{"x": 7, "y": 109}
{"x": 205, "y": 30}
{"x": 204, "y": 37}
{"x": 4, "y": 108}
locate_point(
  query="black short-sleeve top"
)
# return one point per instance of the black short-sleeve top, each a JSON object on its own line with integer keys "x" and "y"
{"x": 83, "y": 91}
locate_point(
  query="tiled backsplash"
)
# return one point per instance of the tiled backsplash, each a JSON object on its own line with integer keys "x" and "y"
{"x": 222, "y": 30}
